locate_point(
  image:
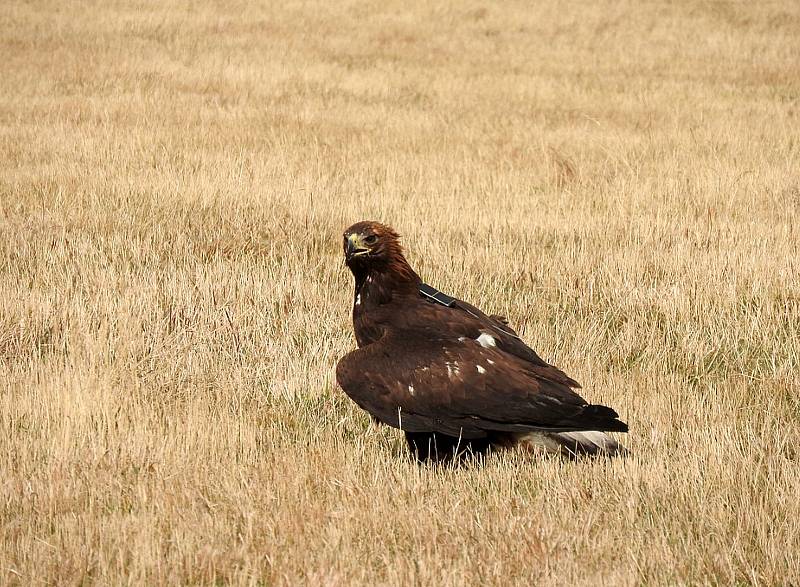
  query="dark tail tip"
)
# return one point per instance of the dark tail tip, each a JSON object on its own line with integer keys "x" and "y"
{"x": 603, "y": 418}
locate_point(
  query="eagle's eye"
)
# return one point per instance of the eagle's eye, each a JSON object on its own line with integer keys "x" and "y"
{"x": 371, "y": 239}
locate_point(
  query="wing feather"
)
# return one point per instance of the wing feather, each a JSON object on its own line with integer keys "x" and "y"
{"x": 420, "y": 382}
{"x": 464, "y": 319}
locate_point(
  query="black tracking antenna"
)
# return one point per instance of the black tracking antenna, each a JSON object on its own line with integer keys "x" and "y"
{"x": 434, "y": 295}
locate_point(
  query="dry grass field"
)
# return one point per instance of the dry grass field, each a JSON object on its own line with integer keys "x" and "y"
{"x": 621, "y": 179}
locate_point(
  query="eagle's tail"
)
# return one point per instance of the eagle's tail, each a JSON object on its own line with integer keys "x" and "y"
{"x": 573, "y": 444}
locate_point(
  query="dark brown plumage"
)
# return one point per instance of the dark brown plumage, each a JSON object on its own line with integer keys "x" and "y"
{"x": 452, "y": 378}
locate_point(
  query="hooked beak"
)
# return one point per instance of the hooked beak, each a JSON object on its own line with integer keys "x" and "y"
{"x": 354, "y": 247}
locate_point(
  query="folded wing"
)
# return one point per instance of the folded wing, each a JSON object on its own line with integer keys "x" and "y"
{"x": 464, "y": 387}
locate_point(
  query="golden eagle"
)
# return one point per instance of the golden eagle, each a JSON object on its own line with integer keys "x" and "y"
{"x": 454, "y": 379}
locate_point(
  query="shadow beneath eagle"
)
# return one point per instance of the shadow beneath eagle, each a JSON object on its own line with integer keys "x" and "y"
{"x": 430, "y": 448}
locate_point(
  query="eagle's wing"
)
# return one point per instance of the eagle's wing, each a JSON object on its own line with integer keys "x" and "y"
{"x": 467, "y": 320}
{"x": 420, "y": 382}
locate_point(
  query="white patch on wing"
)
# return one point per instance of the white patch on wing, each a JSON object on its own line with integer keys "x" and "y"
{"x": 358, "y": 300}
{"x": 411, "y": 389}
{"x": 486, "y": 340}
{"x": 452, "y": 369}
{"x": 481, "y": 370}
{"x": 462, "y": 338}
{"x": 490, "y": 361}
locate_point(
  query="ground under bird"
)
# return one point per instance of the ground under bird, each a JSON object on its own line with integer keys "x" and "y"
{"x": 456, "y": 381}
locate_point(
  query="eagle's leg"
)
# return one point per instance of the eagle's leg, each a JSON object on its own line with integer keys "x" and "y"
{"x": 435, "y": 447}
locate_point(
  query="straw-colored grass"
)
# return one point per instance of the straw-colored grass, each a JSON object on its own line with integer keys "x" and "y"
{"x": 619, "y": 178}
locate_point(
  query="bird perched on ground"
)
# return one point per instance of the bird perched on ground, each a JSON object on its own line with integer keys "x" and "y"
{"x": 455, "y": 380}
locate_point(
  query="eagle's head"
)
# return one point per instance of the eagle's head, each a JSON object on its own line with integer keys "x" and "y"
{"x": 369, "y": 244}
{"x": 372, "y": 248}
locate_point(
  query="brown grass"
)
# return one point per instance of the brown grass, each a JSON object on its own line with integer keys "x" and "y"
{"x": 620, "y": 179}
